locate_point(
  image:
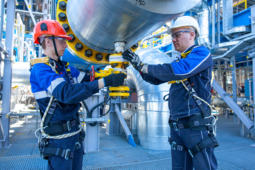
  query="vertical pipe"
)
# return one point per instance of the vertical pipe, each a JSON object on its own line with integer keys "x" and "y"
{"x": 227, "y": 15}
{"x": 225, "y": 76}
{"x": 1, "y": 18}
{"x": 7, "y": 78}
{"x": 218, "y": 21}
{"x": 213, "y": 23}
{"x": 53, "y": 9}
{"x": 234, "y": 82}
{"x": 250, "y": 97}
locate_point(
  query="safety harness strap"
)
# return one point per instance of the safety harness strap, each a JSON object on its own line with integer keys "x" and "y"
{"x": 175, "y": 146}
{"x": 49, "y": 115}
{"x": 80, "y": 140}
{"x": 205, "y": 143}
{"x": 205, "y": 113}
{"x": 52, "y": 151}
{"x": 68, "y": 71}
{"x": 58, "y": 127}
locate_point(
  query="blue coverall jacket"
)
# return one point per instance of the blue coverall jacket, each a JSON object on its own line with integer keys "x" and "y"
{"x": 197, "y": 67}
{"x": 46, "y": 82}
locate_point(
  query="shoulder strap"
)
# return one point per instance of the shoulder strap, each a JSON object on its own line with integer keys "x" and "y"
{"x": 68, "y": 71}
{"x": 191, "y": 90}
{"x": 43, "y": 60}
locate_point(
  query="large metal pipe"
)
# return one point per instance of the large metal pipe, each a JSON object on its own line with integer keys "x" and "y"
{"x": 153, "y": 112}
{"x": 100, "y": 23}
{"x": 203, "y": 11}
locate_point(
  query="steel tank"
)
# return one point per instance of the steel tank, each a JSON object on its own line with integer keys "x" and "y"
{"x": 153, "y": 112}
{"x": 101, "y": 23}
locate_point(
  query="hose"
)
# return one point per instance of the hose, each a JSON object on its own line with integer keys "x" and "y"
{"x": 89, "y": 113}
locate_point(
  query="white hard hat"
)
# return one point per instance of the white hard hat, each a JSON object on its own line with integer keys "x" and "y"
{"x": 186, "y": 21}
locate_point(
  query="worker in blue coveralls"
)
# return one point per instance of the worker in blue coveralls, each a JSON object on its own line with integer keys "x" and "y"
{"x": 54, "y": 78}
{"x": 192, "y": 135}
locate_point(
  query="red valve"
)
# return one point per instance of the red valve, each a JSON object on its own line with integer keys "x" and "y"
{"x": 92, "y": 76}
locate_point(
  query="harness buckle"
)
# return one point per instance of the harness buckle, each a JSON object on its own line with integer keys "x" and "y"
{"x": 67, "y": 154}
{"x": 77, "y": 145}
{"x": 68, "y": 125}
{"x": 174, "y": 145}
{"x": 175, "y": 126}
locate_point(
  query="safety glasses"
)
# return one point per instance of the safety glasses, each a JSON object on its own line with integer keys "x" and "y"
{"x": 60, "y": 39}
{"x": 178, "y": 34}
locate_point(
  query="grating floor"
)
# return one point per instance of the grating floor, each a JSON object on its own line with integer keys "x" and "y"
{"x": 234, "y": 152}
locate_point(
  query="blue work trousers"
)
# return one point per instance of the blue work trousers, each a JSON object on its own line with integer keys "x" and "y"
{"x": 182, "y": 160}
{"x": 59, "y": 163}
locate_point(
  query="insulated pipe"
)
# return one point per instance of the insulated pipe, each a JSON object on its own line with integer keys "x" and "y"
{"x": 99, "y": 24}
{"x": 153, "y": 112}
{"x": 203, "y": 11}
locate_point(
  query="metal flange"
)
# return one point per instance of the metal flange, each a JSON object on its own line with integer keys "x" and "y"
{"x": 75, "y": 45}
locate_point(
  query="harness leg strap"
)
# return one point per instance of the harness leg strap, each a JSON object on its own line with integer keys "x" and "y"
{"x": 205, "y": 143}
{"x": 175, "y": 146}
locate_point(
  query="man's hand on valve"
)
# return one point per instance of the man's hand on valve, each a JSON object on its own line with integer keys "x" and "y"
{"x": 115, "y": 80}
{"x": 134, "y": 60}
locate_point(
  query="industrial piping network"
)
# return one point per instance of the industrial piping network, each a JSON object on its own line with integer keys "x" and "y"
{"x": 101, "y": 28}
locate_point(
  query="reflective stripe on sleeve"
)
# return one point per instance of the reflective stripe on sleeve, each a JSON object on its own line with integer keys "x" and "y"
{"x": 80, "y": 77}
{"x": 54, "y": 84}
{"x": 41, "y": 95}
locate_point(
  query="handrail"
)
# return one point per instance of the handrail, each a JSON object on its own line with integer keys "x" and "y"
{"x": 238, "y": 3}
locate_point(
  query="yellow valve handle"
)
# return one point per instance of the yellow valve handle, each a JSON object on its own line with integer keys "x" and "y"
{"x": 119, "y": 94}
{"x": 120, "y": 88}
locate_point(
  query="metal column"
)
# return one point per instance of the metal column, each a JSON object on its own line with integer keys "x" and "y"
{"x": 114, "y": 127}
{"x": 213, "y": 23}
{"x": 1, "y": 18}
{"x": 227, "y": 15}
{"x": 218, "y": 21}
{"x": 91, "y": 141}
{"x": 234, "y": 88}
{"x": 7, "y": 79}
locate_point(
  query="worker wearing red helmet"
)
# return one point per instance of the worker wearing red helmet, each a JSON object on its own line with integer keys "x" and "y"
{"x": 58, "y": 89}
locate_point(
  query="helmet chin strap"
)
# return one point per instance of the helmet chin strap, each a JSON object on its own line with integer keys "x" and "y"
{"x": 56, "y": 52}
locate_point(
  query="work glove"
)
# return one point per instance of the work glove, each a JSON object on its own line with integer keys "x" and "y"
{"x": 133, "y": 59}
{"x": 114, "y": 80}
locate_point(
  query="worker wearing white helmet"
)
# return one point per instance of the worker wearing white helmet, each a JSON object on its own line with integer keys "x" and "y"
{"x": 192, "y": 125}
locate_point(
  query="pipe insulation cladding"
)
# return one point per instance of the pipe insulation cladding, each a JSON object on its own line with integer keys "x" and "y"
{"x": 153, "y": 112}
{"x": 98, "y": 24}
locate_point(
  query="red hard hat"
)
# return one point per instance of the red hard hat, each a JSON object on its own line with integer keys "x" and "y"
{"x": 49, "y": 27}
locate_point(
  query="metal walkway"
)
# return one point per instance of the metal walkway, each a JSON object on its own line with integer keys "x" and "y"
{"x": 234, "y": 153}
